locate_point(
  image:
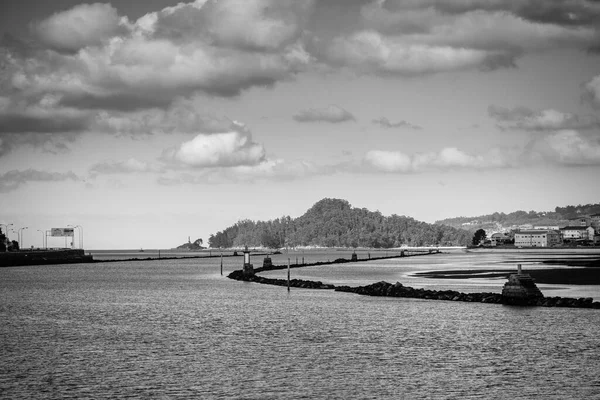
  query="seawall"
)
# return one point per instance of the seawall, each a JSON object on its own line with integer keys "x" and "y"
{"x": 44, "y": 257}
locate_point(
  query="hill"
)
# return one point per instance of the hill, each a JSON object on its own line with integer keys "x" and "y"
{"x": 335, "y": 223}
{"x": 496, "y": 221}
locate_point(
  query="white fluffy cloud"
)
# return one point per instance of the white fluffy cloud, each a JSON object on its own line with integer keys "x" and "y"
{"x": 332, "y": 114}
{"x": 565, "y": 147}
{"x": 450, "y": 157}
{"x": 81, "y": 26}
{"x": 228, "y": 149}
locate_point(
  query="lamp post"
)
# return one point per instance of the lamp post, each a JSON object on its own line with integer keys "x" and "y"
{"x": 6, "y": 227}
{"x": 80, "y": 234}
{"x": 43, "y": 238}
{"x": 21, "y": 236}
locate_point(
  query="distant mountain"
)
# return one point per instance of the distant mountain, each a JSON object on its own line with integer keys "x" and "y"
{"x": 497, "y": 221}
{"x": 335, "y": 223}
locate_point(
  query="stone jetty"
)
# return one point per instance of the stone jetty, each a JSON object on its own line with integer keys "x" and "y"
{"x": 531, "y": 297}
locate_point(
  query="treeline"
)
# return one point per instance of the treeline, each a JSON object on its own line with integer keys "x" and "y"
{"x": 560, "y": 216}
{"x": 335, "y": 223}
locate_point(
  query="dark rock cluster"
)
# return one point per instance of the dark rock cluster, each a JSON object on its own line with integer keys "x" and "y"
{"x": 297, "y": 283}
{"x": 398, "y": 290}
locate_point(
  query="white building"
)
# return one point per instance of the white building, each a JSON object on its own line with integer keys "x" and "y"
{"x": 570, "y": 233}
{"x": 537, "y": 238}
{"x": 546, "y": 228}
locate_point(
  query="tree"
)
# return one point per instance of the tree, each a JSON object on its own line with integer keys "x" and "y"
{"x": 2, "y": 242}
{"x": 479, "y": 237}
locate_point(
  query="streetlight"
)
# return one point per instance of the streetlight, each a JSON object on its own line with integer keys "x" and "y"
{"x": 21, "y": 237}
{"x": 43, "y": 237}
{"x": 6, "y": 226}
{"x": 80, "y": 234}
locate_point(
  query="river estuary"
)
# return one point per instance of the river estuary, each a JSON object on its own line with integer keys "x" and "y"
{"x": 178, "y": 329}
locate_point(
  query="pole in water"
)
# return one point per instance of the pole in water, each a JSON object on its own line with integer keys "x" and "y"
{"x": 221, "y": 264}
{"x": 288, "y": 274}
{"x": 158, "y": 253}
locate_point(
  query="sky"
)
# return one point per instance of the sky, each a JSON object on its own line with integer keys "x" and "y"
{"x": 145, "y": 123}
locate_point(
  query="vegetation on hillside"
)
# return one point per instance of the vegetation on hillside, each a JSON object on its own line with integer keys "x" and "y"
{"x": 335, "y": 223}
{"x": 560, "y": 216}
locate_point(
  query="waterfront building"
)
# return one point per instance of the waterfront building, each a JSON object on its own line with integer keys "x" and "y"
{"x": 500, "y": 238}
{"x": 572, "y": 233}
{"x": 537, "y": 238}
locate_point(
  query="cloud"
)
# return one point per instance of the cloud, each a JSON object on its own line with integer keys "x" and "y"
{"x": 12, "y": 180}
{"x": 183, "y": 116}
{"x": 332, "y": 114}
{"x": 568, "y": 13}
{"x": 41, "y": 116}
{"x": 592, "y": 91}
{"x": 450, "y": 157}
{"x": 566, "y": 147}
{"x": 562, "y": 148}
{"x": 227, "y": 149}
{"x": 81, "y": 26}
{"x": 384, "y": 122}
{"x": 54, "y": 143}
{"x": 545, "y": 120}
{"x": 414, "y": 38}
{"x": 372, "y": 52}
{"x": 132, "y": 165}
{"x": 218, "y": 48}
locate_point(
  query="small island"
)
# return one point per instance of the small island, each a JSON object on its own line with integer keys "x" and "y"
{"x": 191, "y": 246}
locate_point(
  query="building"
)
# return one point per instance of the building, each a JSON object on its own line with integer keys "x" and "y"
{"x": 501, "y": 238}
{"x": 546, "y": 228}
{"x": 537, "y": 238}
{"x": 573, "y": 233}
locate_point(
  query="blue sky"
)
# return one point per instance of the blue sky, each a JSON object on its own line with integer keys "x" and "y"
{"x": 146, "y": 124}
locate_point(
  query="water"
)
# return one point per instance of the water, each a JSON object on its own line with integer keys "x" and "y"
{"x": 177, "y": 329}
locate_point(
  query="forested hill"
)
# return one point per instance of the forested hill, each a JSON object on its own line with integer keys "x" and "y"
{"x": 560, "y": 217}
{"x": 335, "y": 223}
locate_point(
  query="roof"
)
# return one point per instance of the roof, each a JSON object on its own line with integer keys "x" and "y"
{"x": 575, "y": 228}
{"x": 595, "y": 215}
{"x": 535, "y": 231}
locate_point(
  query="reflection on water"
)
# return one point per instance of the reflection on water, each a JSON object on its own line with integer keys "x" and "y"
{"x": 176, "y": 328}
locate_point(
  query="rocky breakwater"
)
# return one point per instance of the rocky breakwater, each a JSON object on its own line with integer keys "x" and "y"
{"x": 398, "y": 290}
{"x": 297, "y": 283}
